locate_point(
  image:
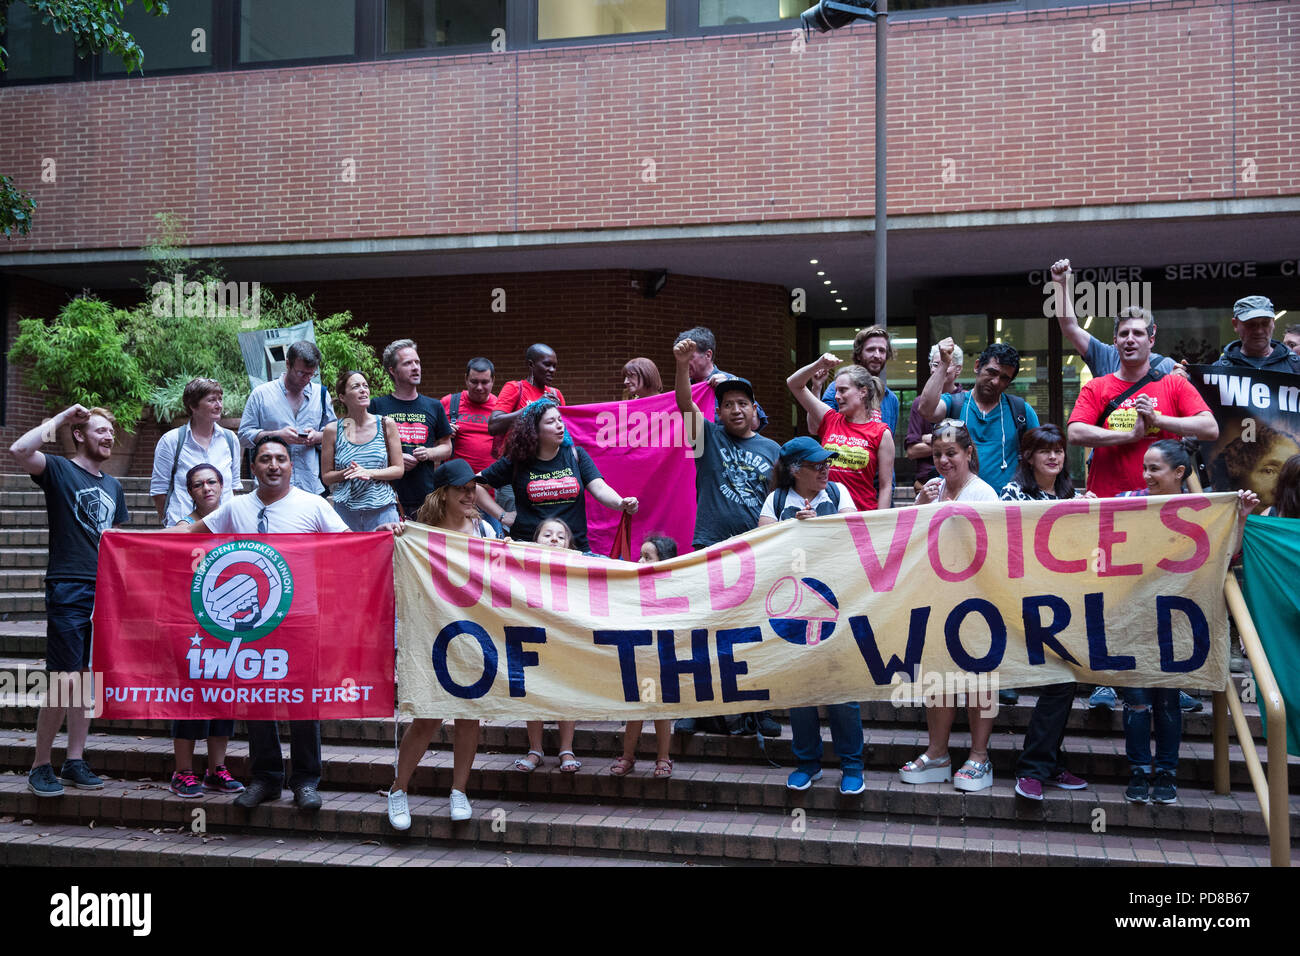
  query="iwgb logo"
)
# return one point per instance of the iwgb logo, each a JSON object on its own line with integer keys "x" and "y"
{"x": 241, "y": 590}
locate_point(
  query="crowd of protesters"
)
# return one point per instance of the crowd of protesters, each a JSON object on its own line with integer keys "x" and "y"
{"x": 504, "y": 465}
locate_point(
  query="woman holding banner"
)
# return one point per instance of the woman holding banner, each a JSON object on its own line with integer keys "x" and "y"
{"x": 450, "y": 507}
{"x": 1165, "y": 468}
{"x": 549, "y": 475}
{"x": 205, "y": 485}
{"x": 800, "y": 490}
{"x": 641, "y": 379}
{"x": 957, "y": 462}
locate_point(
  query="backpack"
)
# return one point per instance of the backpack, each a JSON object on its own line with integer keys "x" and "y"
{"x": 235, "y": 455}
{"x": 1019, "y": 411}
{"x": 780, "y": 495}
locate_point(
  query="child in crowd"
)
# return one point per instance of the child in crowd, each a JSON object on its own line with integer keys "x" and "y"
{"x": 554, "y": 533}
{"x": 655, "y": 547}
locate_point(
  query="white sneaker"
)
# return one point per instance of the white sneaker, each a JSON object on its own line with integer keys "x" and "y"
{"x": 460, "y": 808}
{"x": 399, "y": 813}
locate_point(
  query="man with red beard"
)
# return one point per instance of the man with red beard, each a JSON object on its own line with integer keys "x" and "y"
{"x": 81, "y": 502}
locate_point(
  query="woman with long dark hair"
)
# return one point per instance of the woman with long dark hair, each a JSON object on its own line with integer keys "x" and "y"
{"x": 1041, "y": 475}
{"x": 549, "y": 474}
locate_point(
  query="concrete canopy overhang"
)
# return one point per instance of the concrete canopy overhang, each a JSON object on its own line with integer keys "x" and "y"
{"x": 922, "y": 249}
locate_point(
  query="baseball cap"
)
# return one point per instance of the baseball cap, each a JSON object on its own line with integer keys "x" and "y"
{"x": 455, "y": 472}
{"x": 804, "y": 448}
{"x": 1252, "y": 307}
{"x": 734, "y": 385}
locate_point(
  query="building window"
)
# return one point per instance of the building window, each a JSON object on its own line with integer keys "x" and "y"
{"x": 569, "y": 19}
{"x": 427, "y": 24}
{"x": 36, "y": 52}
{"x": 726, "y": 13}
{"x": 296, "y": 29}
{"x": 170, "y": 42}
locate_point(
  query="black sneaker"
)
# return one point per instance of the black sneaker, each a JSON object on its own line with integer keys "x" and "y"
{"x": 77, "y": 773}
{"x": 1008, "y": 697}
{"x": 1164, "y": 790}
{"x": 307, "y": 798}
{"x": 42, "y": 782}
{"x": 219, "y": 780}
{"x": 1139, "y": 788}
{"x": 685, "y": 725}
{"x": 259, "y": 791}
{"x": 768, "y": 725}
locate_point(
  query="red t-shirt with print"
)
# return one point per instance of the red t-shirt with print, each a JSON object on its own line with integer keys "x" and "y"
{"x": 855, "y": 447}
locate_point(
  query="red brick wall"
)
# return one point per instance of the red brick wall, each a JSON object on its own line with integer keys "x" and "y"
{"x": 595, "y": 321}
{"x": 1028, "y": 113}
{"x": 25, "y": 407}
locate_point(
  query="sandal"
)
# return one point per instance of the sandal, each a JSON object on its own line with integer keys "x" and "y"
{"x": 974, "y": 776}
{"x": 530, "y": 761}
{"x": 664, "y": 768}
{"x": 621, "y": 767}
{"x": 926, "y": 769}
{"x": 572, "y": 765}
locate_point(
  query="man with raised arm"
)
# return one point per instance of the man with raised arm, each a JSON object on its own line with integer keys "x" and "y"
{"x": 81, "y": 503}
{"x": 1101, "y": 359}
{"x": 1122, "y": 414}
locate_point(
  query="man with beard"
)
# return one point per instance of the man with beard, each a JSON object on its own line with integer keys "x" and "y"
{"x": 276, "y": 507}
{"x": 421, "y": 424}
{"x": 872, "y": 350}
{"x": 81, "y": 502}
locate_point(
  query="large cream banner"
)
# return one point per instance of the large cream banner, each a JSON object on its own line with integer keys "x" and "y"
{"x": 1123, "y": 591}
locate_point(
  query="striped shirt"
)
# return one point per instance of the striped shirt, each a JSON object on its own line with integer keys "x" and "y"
{"x": 357, "y": 493}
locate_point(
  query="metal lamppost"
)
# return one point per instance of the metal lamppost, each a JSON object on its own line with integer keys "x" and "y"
{"x": 831, "y": 15}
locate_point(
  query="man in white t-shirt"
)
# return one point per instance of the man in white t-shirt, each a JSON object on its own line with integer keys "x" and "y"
{"x": 276, "y": 507}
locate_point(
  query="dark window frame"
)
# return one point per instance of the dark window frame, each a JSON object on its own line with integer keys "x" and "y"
{"x": 457, "y": 49}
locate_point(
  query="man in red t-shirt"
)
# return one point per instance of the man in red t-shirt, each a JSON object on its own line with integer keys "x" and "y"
{"x": 469, "y": 418}
{"x": 1167, "y": 407}
{"x": 516, "y": 396}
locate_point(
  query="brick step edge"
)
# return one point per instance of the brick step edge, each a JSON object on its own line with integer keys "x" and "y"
{"x": 64, "y": 845}
{"x": 1234, "y": 815}
{"x": 674, "y": 833}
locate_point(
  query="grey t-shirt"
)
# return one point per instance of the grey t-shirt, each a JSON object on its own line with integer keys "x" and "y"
{"x": 731, "y": 483}
{"x": 1103, "y": 359}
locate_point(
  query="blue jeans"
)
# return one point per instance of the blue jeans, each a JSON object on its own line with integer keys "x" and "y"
{"x": 846, "y": 735}
{"x": 1163, "y": 702}
{"x": 366, "y": 519}
{"x": 266, "y": 762}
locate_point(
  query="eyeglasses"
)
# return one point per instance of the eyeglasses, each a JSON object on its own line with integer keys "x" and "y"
{"x": 821, "y": 467}
{"x": 206, "y": 483}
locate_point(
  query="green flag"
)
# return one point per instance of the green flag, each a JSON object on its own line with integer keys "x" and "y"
{"x": 1272, "y": 556}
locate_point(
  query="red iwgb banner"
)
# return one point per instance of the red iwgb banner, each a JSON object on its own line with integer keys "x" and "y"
{"x": 263, "y": 627}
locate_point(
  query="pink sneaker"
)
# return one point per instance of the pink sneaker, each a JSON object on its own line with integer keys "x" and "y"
{"x": 219, "y": 780}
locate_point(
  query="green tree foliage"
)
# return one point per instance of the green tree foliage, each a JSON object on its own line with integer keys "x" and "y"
{"x": 96, "y": 26}
{"x": 82, "y": 357}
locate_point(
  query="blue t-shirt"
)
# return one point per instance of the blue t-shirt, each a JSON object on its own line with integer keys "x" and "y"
{"x": 889, "y": 408}
{"x": 1103, "y": 359}
{"x": 994, "y": 435}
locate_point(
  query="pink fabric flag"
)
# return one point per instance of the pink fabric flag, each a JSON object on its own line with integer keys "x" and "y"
{"x": 641, "y": 452}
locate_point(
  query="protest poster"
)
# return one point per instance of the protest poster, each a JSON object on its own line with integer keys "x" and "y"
{"x": 265, "y": 627}
{"x": 641, "y": 452}
{"x": 1259, "y": 426}
{"x": 1121, "y": 591}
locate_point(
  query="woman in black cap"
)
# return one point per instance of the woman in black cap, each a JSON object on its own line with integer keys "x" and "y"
{"x": 449, "y": 507}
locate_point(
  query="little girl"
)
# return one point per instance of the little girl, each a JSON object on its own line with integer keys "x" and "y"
{"x": 656, "y": 547}
{"x": 554, "y": 533}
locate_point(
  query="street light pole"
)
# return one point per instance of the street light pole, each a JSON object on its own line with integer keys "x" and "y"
{"x": 882, "y": 223}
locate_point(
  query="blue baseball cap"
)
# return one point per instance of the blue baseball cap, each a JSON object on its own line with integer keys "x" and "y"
{"x": 804, "y": 448}
{"x": 1252, "y": 307}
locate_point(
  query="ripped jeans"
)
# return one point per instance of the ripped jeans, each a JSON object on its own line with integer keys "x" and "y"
{"x": 1163, "y": 703}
